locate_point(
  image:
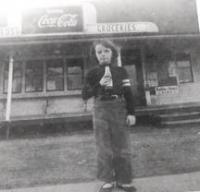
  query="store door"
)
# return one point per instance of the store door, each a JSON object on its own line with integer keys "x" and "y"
{"x": 131, "y": 60}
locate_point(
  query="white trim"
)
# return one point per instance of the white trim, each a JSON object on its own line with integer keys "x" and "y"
{"x": 9, "y": 94}
{"x": 198, "y": 11}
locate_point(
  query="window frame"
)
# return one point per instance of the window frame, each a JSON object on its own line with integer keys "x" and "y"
{"x": 81, "y": 74}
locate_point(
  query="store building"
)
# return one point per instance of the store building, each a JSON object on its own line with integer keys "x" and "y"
{"x": 47, "y": 53}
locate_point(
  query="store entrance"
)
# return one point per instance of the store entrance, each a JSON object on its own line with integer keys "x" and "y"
{"x": 131, "y": 60}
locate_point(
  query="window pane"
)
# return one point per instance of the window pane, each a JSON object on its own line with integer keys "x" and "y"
{"x": 74, "y": 82}
{"x": 34, "y": 76}
{"x": 184, "y": 75}
{"x": 17, "y": 77}
{"x": 55, "y": 77}
{"x": 184, "y": 68}
{"x": 74, "y": 74}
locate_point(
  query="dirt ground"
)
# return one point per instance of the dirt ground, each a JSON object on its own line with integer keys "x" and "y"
{"x": 68, "y": 158}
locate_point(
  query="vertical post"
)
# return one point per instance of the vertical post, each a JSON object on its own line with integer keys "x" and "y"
{"x": 9, "y": 93}
{"x": 147, "y": 93}
{"x": 119, "y": 59}
{"x": 142, "y": 51}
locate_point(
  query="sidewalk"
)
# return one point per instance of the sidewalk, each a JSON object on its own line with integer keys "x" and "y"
{"x": 189, "y": 182}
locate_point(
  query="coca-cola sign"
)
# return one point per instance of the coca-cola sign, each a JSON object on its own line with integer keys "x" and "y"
{"x": 53, "y": 20}
{"x": 66, "y": 20}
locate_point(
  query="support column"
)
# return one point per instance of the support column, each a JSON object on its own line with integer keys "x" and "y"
{"x": 119, "y": 59}
{"x": 147, "y": 93}
{"x": 9, "y": 94}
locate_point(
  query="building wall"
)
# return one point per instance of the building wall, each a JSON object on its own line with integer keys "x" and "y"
{"x": 43, "y": 107}
{"x": 171, "y": 16}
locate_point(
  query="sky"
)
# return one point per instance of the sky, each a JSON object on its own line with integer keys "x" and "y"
{"x": 8, "y": 5}
{"x": 14, "y": 7}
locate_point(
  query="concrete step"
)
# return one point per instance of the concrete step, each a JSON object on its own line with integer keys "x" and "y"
{"x": 180, "y": 122}
{"x": 168, "y": 109}
{"x": 179, "y": 116}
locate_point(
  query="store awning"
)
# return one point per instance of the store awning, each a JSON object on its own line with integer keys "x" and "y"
{"x": 63, "y": 38}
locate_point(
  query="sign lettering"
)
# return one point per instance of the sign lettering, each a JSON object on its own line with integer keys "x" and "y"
{"x": 53, "y": 20}
{"x": 66, "y": 20}
{"x": 9, "y": 31}
{"x": 123, "y": 27}
{"x": 166, "y": 90}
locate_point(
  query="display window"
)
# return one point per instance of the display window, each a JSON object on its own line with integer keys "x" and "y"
{"x": 169, "y": 70}
{"x": 45, "y": 75}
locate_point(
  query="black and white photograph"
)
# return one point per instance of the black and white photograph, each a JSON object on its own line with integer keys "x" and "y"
{"x": 100, "y": 96}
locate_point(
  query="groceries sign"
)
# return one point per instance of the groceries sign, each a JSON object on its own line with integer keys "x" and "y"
{"x": 53, "y": 20}
{"x": 123, "y": 27}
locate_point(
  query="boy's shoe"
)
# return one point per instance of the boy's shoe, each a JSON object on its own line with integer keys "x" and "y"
{"x": 106, "y": 187}
{"x": 127, "y": 188}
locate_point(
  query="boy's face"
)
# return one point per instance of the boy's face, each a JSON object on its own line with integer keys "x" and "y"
{"x": 103, "y": 54}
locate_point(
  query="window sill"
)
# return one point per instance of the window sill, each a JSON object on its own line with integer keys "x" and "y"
{"x": 42, "y": 94}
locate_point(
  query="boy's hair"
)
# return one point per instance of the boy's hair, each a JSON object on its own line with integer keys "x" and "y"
{"x": 108, "y": 44}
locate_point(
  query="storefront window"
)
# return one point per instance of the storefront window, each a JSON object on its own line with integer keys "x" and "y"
{"x": 74, "y": 74}
{"x": 45, "y": 75}
{"x": 34, "y": 76}
{"x": 55, "y": 75}
{"x": 17, "y": 77}
{"x": 168, "y": 70}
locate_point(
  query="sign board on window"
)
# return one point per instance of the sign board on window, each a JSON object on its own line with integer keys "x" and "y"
{"x": 166, "y": 90}
{"x": 53, "y": 20}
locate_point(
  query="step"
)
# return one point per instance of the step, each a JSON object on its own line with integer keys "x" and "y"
{"x": 179, "y": 116}
{"x": 179, "y": 122}
{"x": 184, "y": 114}
{"x": 50, "y": 118}
{"x": 165, "y": 109}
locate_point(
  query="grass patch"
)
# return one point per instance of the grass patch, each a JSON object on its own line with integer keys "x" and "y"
{"x": 66, "y": 158}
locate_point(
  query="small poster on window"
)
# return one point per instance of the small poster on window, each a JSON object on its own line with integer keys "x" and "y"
{"x": 51, "y": 85}
{"x": 172, "y": 69}
{"x": 152, "y": 79}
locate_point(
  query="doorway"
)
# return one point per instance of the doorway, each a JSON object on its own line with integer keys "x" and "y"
{"x": 131, "y": 61}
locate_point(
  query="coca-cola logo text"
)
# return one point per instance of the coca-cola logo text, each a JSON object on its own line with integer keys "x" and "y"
{"x": 60, "y": 21}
